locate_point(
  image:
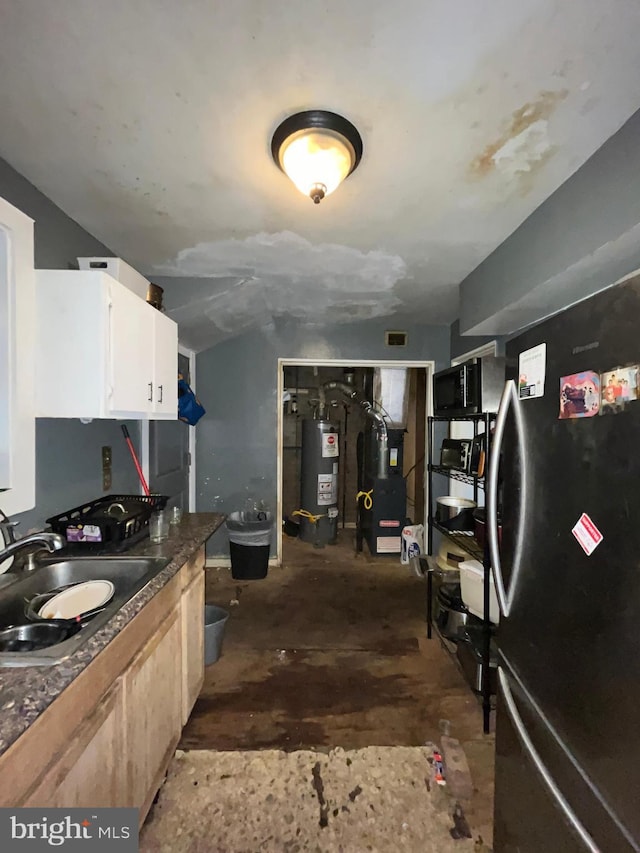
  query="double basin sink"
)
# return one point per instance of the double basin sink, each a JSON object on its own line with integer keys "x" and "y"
{"x": 128, "y": 575}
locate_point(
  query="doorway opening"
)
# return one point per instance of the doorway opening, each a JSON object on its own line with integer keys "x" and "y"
{"x": 346, "y": 397}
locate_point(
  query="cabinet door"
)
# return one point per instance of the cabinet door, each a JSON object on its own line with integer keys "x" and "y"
{"x": 17, "y": 363}
{"x": 153, "y": 696}
{"x": 192, "y": 606}
{"x": 165, "y": 363}
{"x": 131, "y": 353}
{"x": 91, "y": 773}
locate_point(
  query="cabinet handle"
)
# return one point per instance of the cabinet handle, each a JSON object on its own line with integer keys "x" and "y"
{"x": 150, "y": 397}
{"x": 160, "y": 390}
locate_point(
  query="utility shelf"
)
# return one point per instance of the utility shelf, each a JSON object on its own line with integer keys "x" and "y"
{"x": 464, "y": 538}
{"x": 469, "y": 479}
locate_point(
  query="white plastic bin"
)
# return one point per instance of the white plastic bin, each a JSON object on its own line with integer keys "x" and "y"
{"x": 120, "y": 270}
{"x": 472, "y": 590}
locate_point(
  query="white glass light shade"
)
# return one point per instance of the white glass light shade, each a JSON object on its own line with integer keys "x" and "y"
{"x": 317, "y": 160}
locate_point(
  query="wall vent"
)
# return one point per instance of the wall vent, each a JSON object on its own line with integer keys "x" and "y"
{"x": 395, "y": 339}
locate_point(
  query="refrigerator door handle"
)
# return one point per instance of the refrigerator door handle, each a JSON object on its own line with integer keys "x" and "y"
{"x": 527, "y": 745}
{"x": 509, "y": 397}
{"x": 492, "y": 497}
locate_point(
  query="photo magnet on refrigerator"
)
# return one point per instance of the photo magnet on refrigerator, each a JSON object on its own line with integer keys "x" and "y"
{"x": 618, "y": 387}
{"x": 579, "y": 395}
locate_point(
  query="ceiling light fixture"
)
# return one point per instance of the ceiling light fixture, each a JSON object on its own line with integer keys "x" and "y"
{"x": 317, "y": 150}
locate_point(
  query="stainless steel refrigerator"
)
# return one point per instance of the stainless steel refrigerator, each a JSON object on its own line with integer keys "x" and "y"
{"x": 566, "y": 478}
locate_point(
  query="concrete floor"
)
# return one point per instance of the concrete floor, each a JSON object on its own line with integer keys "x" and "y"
{"x": 327, "y": 652}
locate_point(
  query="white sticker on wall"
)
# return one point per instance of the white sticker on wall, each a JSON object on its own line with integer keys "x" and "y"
{"x": 329, "y": 444}
{"x": 393, "y": 457}
{"x": 326, "y": 490}
{"x": 532, "y": 368}
{"x": 587, "y": 534}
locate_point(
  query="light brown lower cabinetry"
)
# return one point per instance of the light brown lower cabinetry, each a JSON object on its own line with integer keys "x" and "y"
{"x": 72, "y": 781}
{"x": 153, "y": 702}
{"x": 192, "y": 644}
{"x": 107, "y": 740}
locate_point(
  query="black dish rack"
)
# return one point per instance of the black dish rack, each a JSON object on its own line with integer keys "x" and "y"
{"x": 112, "y": 522}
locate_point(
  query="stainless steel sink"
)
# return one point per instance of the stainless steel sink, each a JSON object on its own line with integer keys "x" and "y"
{"x": 128, "y": 575}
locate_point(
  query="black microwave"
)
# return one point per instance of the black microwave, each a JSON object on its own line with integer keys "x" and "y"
{"x": 469, "y": 388}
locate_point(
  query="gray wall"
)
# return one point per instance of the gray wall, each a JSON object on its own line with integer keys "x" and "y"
{"x": 465, "y": 343}
{"x": 59, "y": 241}
{"x": 237, "y": 382}
{"x": 581, "y": 239}
{"x": 68, "y": 453}
{"x": 69, "y": 465}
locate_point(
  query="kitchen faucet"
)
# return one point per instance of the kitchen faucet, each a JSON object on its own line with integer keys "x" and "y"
{"x": 43, "y": 541}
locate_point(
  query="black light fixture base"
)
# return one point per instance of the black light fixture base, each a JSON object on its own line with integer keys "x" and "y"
{"x": 316, "y": 120}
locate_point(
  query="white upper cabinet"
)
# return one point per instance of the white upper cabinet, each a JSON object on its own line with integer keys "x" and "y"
{"x": 165, "y": 366}
{"x": 99, "y": 354}
{"x": 17, "y": 423}
{"x": 130, "y": 352}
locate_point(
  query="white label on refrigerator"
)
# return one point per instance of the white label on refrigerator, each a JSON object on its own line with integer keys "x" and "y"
{"x": 326, "y": 490}
{"x": 388, "y": 544}
{"x": 587, "y": 534}
{"x": 532, "y": 367}
{"x": 329, "y": 444}
{"x": 393, "y": 457}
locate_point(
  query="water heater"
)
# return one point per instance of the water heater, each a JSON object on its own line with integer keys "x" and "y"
{"x": 319, "y": 481}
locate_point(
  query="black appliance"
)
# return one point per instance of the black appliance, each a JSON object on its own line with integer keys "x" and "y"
{"x": 455, "y": 453}
{"x": 477, "y": 456}
{"x": 450, "y": 613}
{"x": 381, "y": 524}
{"x": 471, "y": 659}
{"x": 568, "y": 719}
{"x": 469, "y": 388}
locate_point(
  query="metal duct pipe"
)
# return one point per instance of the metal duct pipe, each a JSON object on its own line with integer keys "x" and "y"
{"x": 351, "y": 393}
{"x": 348, "y": 390}
{"x": 322, "y": 403}
{"x": 382, "y": 436}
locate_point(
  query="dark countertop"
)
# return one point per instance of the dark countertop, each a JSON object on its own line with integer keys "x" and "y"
{"x": 25, "y": 692}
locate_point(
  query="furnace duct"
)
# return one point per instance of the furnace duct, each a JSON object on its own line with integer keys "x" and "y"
{"x": 351, "y": 393}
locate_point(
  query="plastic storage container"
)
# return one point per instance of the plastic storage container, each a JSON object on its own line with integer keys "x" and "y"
{"x": 215, "y": 619}
{"x": 472, "y": 586}
{"x": 250, "y": 536}
{"x": 116, "y": 521}
{"x": 120, "y": 270}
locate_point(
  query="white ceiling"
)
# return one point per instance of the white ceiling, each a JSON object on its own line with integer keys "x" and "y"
{"x": 149, "y": 122}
